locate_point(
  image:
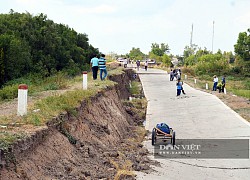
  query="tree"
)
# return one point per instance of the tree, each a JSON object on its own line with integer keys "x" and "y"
{"x": 242, "y": 48}
{"x": 136, "y": 54}
{"x": 1, "y": 66}
{"x": 159, "y": 50}
{"x": 166, "y": 60}
{"x": 189, "y": 50}
{"x": 35, "y": 44}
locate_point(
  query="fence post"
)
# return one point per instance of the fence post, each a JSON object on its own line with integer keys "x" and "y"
{"x": 85, "y": 80}
{"x": 22, "y": 99}
{"x": 206, "y": 85}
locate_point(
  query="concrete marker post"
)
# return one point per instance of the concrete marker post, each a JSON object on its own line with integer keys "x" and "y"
{"x": 85, "y": 80}
{"x": 195, "y": 81}
{"x": 185, "y": 76}
{"x": 206, "y": 85}
{"x": 225, "y": 91}
{"x": 22, "y": 100}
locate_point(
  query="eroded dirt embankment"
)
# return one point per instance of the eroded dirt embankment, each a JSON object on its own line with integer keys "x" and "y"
{"x": 94, "y": 142}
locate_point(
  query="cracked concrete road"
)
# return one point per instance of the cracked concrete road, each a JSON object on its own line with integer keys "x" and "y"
{"x": 196, "y": 115}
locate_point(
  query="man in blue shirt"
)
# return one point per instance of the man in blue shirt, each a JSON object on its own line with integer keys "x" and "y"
{"x": 94, "y": 66}
{"x": 179, "y": 87}
{"x": 102, "y": 67}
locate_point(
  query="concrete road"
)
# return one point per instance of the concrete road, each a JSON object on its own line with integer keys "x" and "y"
{"x": 196, "y": 115}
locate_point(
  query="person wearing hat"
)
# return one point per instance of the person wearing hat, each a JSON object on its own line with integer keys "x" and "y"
{"x": 215, "y": 83}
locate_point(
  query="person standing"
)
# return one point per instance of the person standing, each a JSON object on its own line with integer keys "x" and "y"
{"x": 223, "y": 83}
{"x": 215, "y": 83}
{"x": 146, "y": 65}
{"x": 102, "y": 67}
{"x": 138, "y": 64}
{"x": 178, "y": 74}
{"x": 219, "y": 86}
{"x": 171, "y": 75}
{"x": 180, "y": 71}
{"x": 179, "y": 87}
{"x": 94, "y": 66}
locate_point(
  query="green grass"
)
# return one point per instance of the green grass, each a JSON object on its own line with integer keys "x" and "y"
{"x": 116, "y": 71}
{"x": 242, "y": 92}
{"x": 238, "y": 86}
{"x": 52, "y": 105}
{"x": 35, "y": 84}
{"x": 135, "y": 88}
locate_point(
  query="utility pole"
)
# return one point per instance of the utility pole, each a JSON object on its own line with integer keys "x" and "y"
{"x": 191, "y": 39}
{"x": 213, "y": 39}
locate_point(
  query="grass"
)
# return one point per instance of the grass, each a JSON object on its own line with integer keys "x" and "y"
{"x": 115, "y": 71}
{"x": 242, "y": 92}
{"x": 51, "y": 106}
{"x": 35, "y": 84}
{"x": 7, "y": 138}
{"x": 135, "y": 88}
{"x": 238, "y": 86}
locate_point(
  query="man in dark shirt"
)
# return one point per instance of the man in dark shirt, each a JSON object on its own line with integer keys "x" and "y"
{"x": 223, "y": 83}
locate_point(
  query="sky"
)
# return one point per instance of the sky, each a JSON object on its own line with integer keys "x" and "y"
{"x": 119, "y": 25}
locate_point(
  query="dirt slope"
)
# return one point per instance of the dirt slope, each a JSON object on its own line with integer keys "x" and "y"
{"x": 94, "y": 142}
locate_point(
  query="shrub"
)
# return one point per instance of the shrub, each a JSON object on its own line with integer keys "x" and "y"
{"x": 9, "y": 92}
{"x": 188, "y": 70}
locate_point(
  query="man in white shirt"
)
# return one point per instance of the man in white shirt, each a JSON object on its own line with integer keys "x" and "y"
{"x": 215, "y": 83}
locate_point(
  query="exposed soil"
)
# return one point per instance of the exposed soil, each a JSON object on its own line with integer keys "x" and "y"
{"x": 100, "y": 141}
{"x": 238, "y": 104}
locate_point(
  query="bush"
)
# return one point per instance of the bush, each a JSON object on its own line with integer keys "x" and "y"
{"x": 188, "y": 70}
{"x": 9, "y": 92}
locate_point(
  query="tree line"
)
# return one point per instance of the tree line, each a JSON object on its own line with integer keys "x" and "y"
{"x": 202, "y": 61}
{"x": 36, "y": 45}
{"x": 158, "y": 52}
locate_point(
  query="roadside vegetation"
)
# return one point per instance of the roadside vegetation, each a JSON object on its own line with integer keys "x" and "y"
{"x": 203, "y": 65}
{"x": 50, "y": 105}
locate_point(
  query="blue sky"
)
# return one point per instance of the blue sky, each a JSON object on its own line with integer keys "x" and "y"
{"x": 119, "y": 25}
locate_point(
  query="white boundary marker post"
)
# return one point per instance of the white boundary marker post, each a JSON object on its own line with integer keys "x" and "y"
{"x": 185, "y": 76}
{"x": 206, "y": 85}
{"x": 22, "y": 99}
{"x": 195, "y": 81}
{"x": 85, "y": 80}
{"x": 225, "y": 91}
